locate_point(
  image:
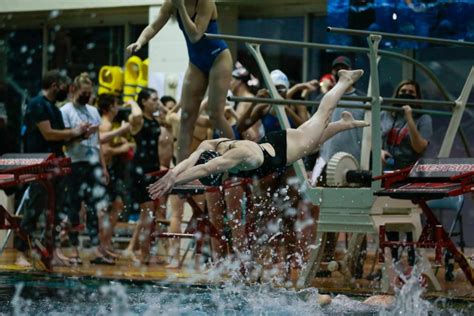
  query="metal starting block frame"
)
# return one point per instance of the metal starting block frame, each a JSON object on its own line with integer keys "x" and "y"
{"x": 430, "y": 179}
{"x": 17, "y": 169}
{"x": 200, "y": 225}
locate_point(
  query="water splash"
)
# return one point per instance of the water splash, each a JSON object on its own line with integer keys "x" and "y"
{"x": 119, "y": 297}
{"x": 232, "y": 298}
{"x": 408, "y": 298}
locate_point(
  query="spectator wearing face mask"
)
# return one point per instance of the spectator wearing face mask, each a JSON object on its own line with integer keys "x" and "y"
{"x": 405, "y": 135}
{"x": 89, "y": 177}
{"x": 45, "y": 133}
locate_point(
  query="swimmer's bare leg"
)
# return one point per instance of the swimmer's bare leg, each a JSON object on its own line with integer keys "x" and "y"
{"x": 306, "y": 139}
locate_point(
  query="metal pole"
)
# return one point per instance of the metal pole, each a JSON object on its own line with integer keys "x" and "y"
{"x": 433, "y": 40}
{"x": 307, "y": 38}
{"x": 374, "y": 41}
{"x": 458, "y": 112}
{"x": 44, "y": 52}
{"x": 340, "y": 104}
{"x": 258, "y": 40}
{"x": 126, "y": 41}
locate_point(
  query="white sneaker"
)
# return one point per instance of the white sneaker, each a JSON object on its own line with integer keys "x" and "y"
{"x": 22, "y": 261}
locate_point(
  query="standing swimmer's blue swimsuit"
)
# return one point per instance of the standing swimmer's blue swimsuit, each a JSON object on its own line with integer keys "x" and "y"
{"x": 203, "y": 53}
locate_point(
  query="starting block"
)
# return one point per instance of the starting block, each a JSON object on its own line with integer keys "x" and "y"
{"x": 16, "y": 169}
{"x": 430, "y": 179}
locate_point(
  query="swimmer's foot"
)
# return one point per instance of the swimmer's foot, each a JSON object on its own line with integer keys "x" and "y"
{"x": 22, "y": 261}
{"x": 129, "y": 254}
{"x": 174, "y": 264}
{"x": 351, "y": 75}
{"x": 60, "y": 260}
{"x": 324, "y": 299}
{"x": 348, "y": 120}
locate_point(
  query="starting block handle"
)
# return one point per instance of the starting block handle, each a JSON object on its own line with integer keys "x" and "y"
{"x": 389, "y": 179}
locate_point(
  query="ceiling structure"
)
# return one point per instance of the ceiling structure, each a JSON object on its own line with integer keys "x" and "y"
{"x": 37, "y": 13}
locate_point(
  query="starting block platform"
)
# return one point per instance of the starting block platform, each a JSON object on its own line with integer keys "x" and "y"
{"x": 430, "y": 179}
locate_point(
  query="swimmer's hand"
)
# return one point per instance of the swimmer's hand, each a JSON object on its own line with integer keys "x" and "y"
{"x": 162, "y": 186}
{"x": 134, "y": 47}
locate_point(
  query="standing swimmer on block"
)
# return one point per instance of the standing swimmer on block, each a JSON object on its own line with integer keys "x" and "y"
{"x": 210, "y": 64}
{"x": 275, "y": 151}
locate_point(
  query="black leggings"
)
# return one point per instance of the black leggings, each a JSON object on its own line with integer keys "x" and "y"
{"x": 85, "y": 185}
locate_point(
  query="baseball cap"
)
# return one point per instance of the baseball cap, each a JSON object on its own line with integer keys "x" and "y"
{"x": 279, "y": 78}
{"x": 342, "y": 60}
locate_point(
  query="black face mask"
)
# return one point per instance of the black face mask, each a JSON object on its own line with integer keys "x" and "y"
{"x": 61, "y": 95}
{"x": 404, "y": 96}
{"x": 83, "y": 98}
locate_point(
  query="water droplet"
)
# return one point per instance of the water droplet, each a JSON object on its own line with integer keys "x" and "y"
{"x": 54, "y": 14}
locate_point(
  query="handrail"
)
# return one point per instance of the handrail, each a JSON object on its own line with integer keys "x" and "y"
{"x": 433, "y": 40}
{"x": 257, "y": 40}
{"x": 342, "y": 104}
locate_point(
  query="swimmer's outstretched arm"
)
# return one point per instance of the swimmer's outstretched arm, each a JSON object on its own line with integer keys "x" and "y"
{"x": 187, "y": 171}
{"x": 152, "y": 29}
{"x": 196, "y": 29}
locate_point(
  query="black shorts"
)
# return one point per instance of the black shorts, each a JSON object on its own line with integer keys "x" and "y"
{"x": 117, "y": 186}
{"x": 140, "y": 182}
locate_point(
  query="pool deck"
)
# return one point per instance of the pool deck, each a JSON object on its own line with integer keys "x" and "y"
{"x": 126, "y": 270}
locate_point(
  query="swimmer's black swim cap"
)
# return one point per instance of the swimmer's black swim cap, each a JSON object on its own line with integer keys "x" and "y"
{"x": 213, "y": 180}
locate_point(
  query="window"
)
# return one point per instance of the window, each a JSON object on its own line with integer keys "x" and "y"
{"x": 85, "y": 49}
{"x": 24, "y": 59}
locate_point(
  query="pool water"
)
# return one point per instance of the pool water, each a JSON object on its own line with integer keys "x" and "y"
{"x": 56, "y": 295}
